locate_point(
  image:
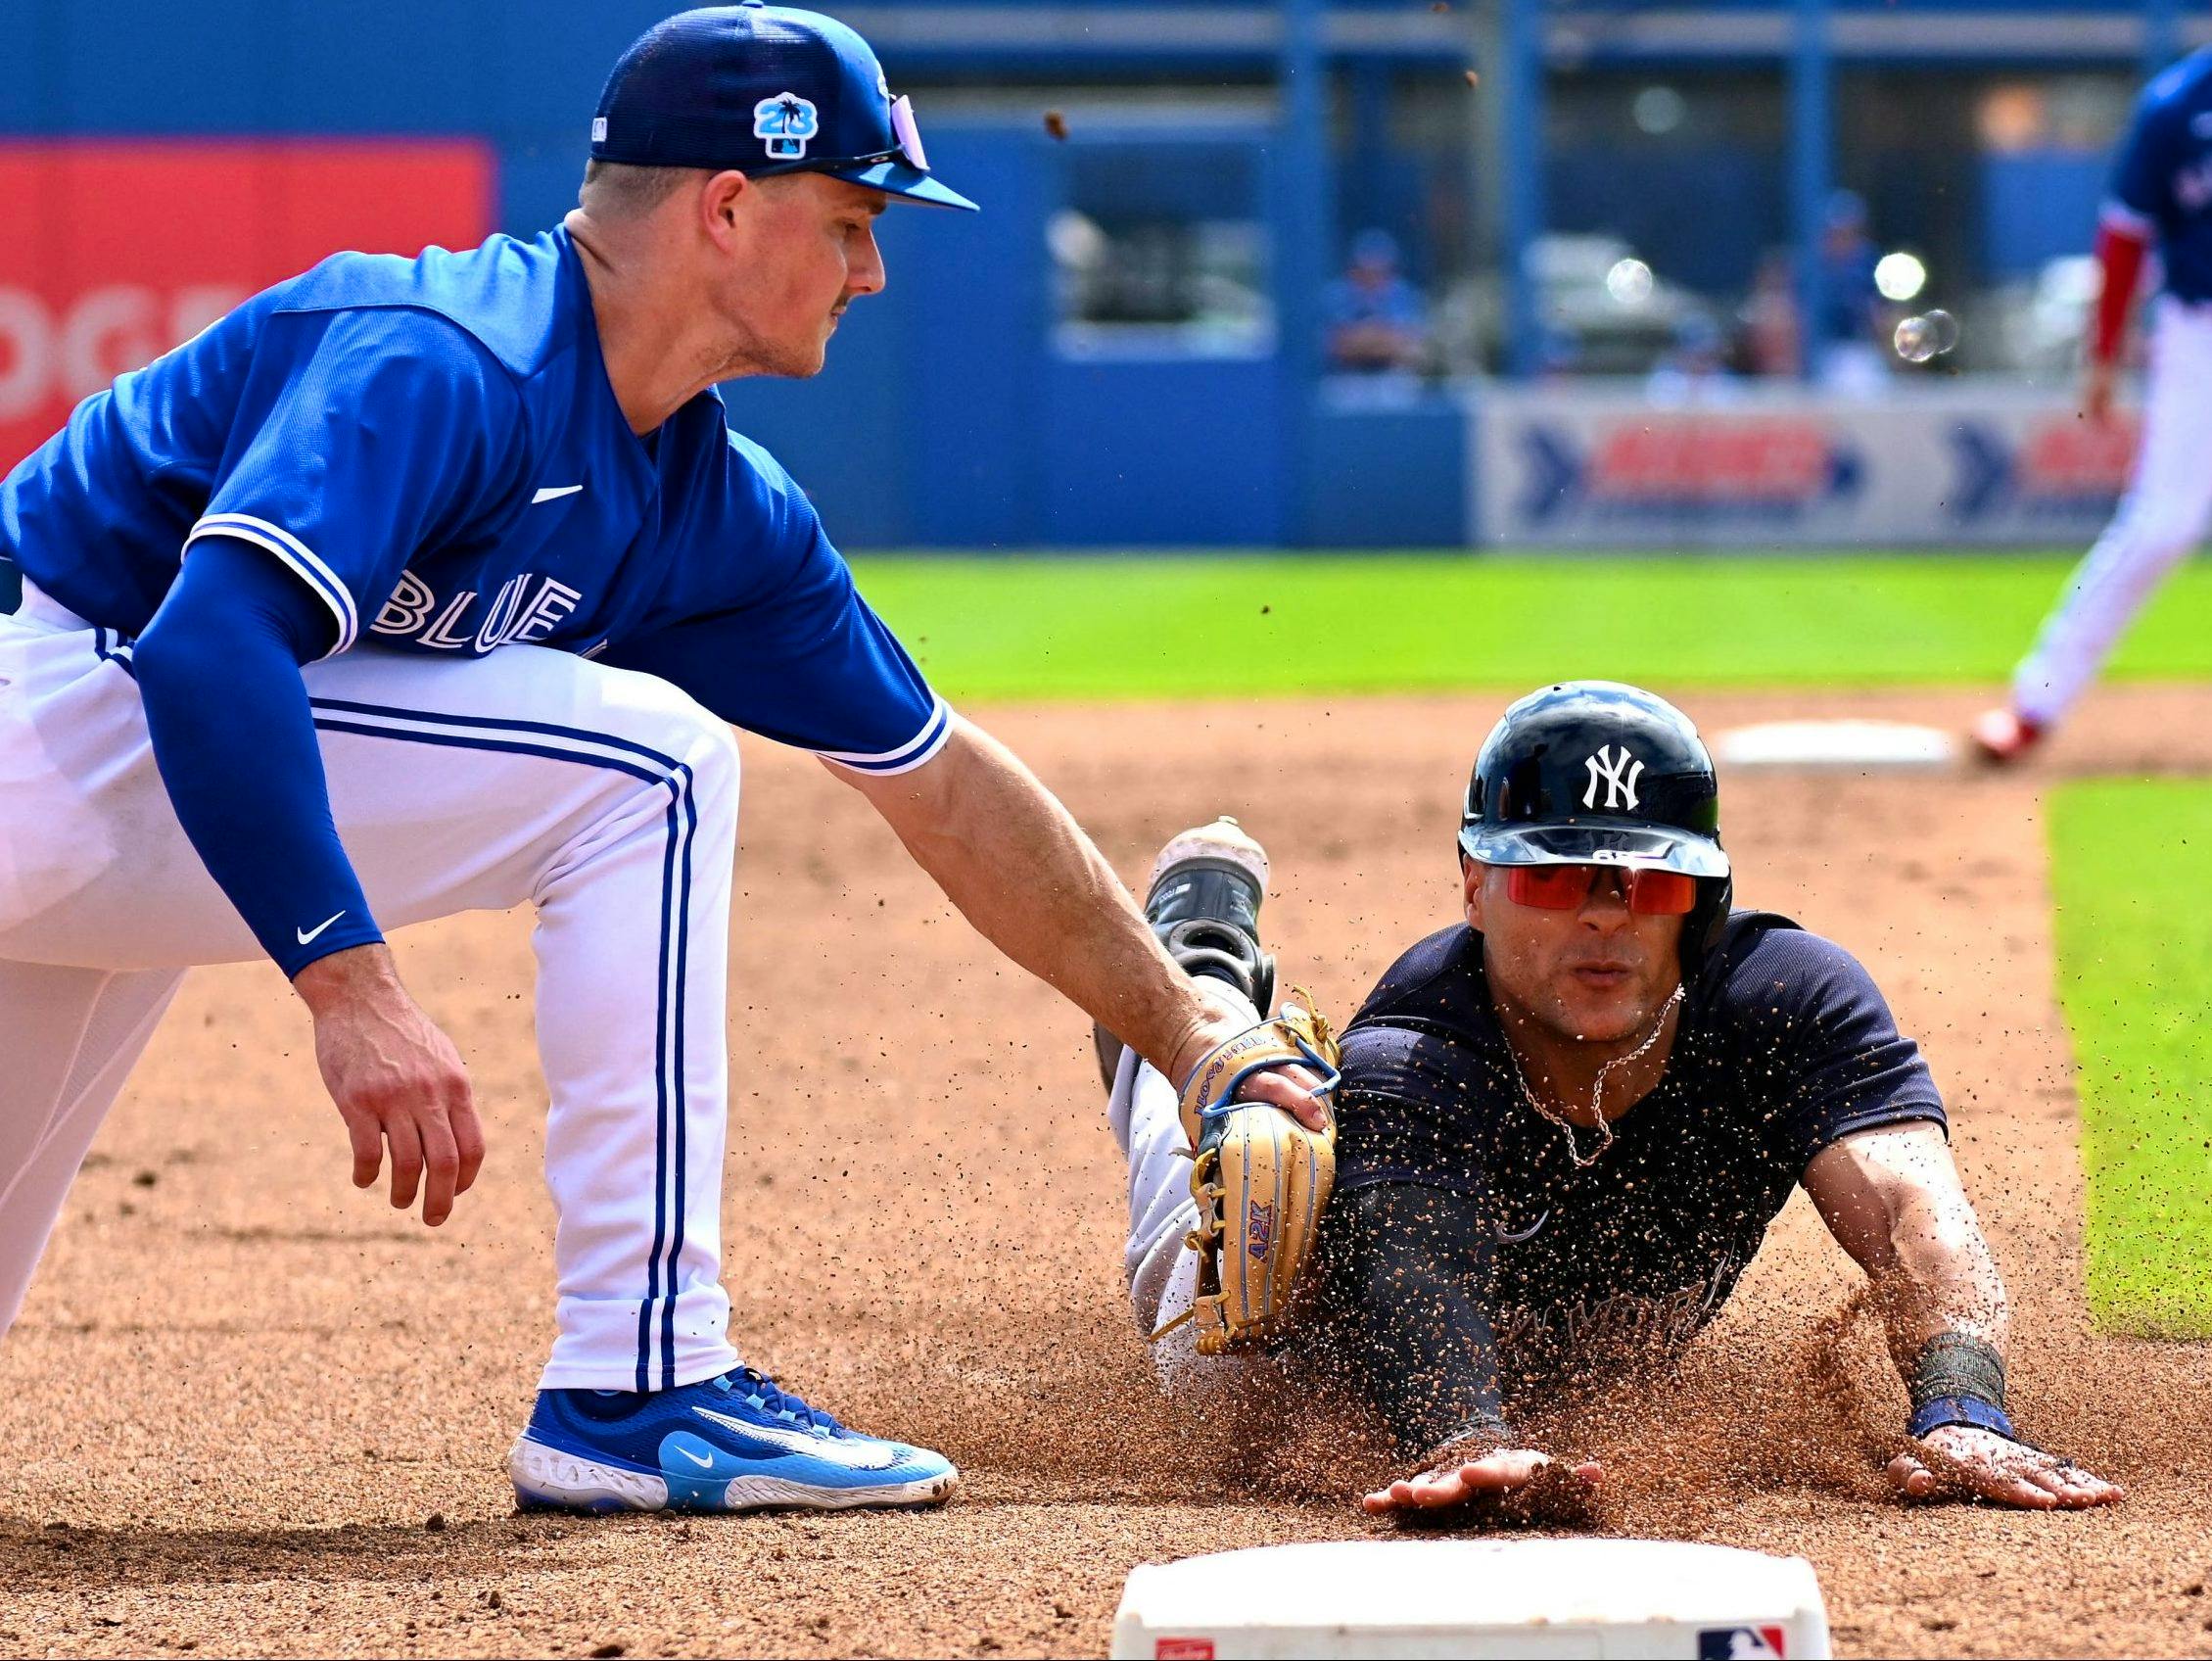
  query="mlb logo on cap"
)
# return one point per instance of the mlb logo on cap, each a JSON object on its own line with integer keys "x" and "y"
{"x": 763, "y": 90}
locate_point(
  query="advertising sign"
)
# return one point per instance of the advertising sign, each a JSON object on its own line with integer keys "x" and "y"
{"x": 1594, "y": 466}
{"x": 113, "y": 252}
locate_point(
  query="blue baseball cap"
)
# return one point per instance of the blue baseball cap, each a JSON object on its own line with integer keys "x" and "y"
{"x": 763, "y": 90}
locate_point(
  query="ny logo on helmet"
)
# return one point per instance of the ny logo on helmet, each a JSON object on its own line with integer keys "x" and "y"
{"x": 1619, "y": 774}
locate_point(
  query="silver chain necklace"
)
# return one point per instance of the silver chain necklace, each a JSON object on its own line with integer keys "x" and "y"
{"x": 1597, "y": 1087}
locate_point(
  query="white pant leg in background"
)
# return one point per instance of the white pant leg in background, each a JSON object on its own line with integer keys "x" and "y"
{"x": 605, "y": 798}
{"x": 1162, "y": 1266}
{"x": 68, "y": 1038}
{"x": 2161, "y": 518}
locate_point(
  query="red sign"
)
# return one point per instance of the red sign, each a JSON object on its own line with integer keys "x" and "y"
{"x": 2071, "y": 456}
{"x": 1693, "y": 458}
{"x": 1183, "y": 1650}
{"x": 113, "y": 252}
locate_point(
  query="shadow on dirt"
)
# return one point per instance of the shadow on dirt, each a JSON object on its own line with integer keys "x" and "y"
{"x": 67, "y": 1557}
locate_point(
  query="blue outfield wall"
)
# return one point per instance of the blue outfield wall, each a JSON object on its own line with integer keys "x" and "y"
{"x": 949, "y": 416}
{"x": 946, "y": 419}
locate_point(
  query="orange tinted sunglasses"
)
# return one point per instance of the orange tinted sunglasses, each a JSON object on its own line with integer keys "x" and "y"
{"x": 1565, "y": 887}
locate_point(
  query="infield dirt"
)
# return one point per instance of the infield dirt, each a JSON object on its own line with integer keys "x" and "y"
{"x": 249, "y": 1410}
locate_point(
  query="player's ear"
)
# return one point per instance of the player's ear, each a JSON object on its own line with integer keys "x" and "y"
{"x": 722, "y": 200}
{"x": 1471, "y": 879}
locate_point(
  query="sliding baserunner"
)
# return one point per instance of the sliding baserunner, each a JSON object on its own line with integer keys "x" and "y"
{"x": 1564, "y": 1126}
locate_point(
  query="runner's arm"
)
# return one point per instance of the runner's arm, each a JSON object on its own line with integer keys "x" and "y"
{"x": 1892, "y": 1196}
{"x": 1413, "y": 1271}
{"x": 2138, "y": 197}
{"x": 1012, "y": 858}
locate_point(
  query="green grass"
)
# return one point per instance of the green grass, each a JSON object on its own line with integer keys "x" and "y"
{"x": 1262, "y": 624}
{"x": 2131, "y": 865}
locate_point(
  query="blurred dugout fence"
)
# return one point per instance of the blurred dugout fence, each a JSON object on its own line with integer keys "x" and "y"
{"x": 1309, "y": 273}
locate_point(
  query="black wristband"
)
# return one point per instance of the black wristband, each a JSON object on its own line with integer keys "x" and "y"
{"x": 1953, "y": 1366}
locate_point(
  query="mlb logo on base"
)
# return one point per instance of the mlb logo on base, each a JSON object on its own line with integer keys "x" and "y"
{"x": 1742, "y": 1644}
{"x": 1662, "y": 1600}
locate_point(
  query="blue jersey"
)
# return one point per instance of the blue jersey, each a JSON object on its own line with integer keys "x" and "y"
{"x": 1850, "y": 299}
{"x": 433, "y": 449}
{"x": 1395, "y": 304}
{"x": 2162, "y": 184}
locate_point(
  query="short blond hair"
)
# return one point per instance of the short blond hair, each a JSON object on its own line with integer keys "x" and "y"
{"x": 618, "y": 190}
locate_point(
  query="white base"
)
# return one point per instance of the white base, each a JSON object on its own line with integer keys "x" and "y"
{"x": 547, "y": 1476}
{"x": 1475, "y": 1597}
{"x": 1858, "y": 747}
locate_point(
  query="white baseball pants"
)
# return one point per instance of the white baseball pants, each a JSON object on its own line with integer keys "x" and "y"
{"x": 608, "y": 800}
{"x": 2162, "y": 517}
{"x": 1160, "y": 1263}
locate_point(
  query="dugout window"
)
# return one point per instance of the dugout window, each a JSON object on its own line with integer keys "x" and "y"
{"x": 1161, "y": 248}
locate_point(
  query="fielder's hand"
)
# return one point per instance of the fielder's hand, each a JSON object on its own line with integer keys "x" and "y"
{"x": 1508, "y": 1472}
{"x": 1292, "y": 1088}
{"x": 396, "y": 1078}
{"x": 1960, "y": 1462}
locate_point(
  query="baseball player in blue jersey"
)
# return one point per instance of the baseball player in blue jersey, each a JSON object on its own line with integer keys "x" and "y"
{"x": 2161, "y": 195}
{"x": 418, "y": 587}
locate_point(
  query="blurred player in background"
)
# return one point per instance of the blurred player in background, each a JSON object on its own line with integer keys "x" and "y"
{"x": 1850, "y": 355}
{"x": 1565, "y": 1124}
{"x": 1377, "y": 323}
{"x": 1773, "y": 332}
{"x": 2161, "y": 197}
{"x": 1695, "y": 370}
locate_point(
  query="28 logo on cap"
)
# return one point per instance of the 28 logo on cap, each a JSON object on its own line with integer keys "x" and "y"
{"x": 788, "y": 123}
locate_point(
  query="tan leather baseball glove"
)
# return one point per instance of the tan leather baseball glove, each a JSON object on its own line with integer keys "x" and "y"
{"x": 1261, "y": 1179}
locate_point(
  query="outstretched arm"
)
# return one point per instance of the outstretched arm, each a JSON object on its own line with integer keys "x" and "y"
{"x": 1019, "y": 867}
{"x": 1892, "y": 1196}
{"x": 1413, "y": 1269}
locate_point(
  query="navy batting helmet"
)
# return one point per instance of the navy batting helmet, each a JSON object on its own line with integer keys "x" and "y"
{"x": 1596, "y": 772}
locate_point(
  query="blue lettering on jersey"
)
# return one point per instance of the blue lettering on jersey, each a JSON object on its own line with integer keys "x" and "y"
{"x": 2192, "y": 185}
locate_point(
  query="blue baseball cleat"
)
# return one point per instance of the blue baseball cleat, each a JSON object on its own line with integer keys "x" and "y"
{"x": 730, "y": 1444}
